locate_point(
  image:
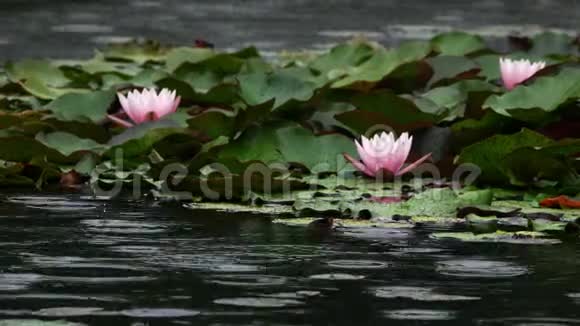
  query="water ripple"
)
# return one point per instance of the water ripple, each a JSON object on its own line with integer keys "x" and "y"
{"x": 248, "y": 280}
{"x": 337, "y": 277}
{"x": 258, "y": 302}
{"x": 122, "y": 226}
{"x": 68, "y": 311}
{"x": 18, "y": 282}
{"x": 357, "y": 264}
{"x": 159, "y": 313}
{"x": 420, "y": 314}
{"x": 51, "y": 203}
{"x": 480, "y": 268}
{"x": 417, "y": 293}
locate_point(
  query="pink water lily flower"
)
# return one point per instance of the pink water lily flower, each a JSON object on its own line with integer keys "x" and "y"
{"x": 383, "y": 153}
{"x": 147, "y": 105}
{"x": 515, "y": 72}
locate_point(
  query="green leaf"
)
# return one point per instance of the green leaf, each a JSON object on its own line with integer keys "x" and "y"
{"x": 39, "y": 89}
{"x": 139, "y": 52}
{"x": 225, "y": 94}
{"x": 290, "y": 143}
{"x": 213, "y": 123}
{"x": 24, "y": 149}
{"x": 147, "y": 78}
{"x": 457, "y": 43}
{"x": 469, "y": 131}
{"x": 386, "y": 108}
{"x": 438, "y": 202}
{"x": 140, "y": 139}
{"x": 282, "y": 86}
{"x": 85, "y": 107}
{"x": 521, "y": 237}
{"x": 447, "y": 67}
{"x": 489, "y": 65}
{"x": 489, "y": 154}
{"x": 207, "y": 74}
{"x": 545, "y": 94}
{"x": 548, "y": 43}
{"x": 177, "y": 56}
{"x": 41, "y": 70}
{"x": 67, "y": 144}
{"x": 317, "y": 153}
{"x": 551, "y": 162}
{"x": 342, "y": 58}
{"x": 383, "y": 62}
{"x": 255, "y": 144}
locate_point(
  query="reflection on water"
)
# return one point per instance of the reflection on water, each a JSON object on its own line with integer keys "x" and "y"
{"x": 97, "y": 262}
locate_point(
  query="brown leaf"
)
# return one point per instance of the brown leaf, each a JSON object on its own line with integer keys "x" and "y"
{"x": 560, "y": 202}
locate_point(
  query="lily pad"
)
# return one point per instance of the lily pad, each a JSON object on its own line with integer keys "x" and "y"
{"x": 84, "y": 107}
{"x": 499, "y": 236}
{"x": 545, "y": 94}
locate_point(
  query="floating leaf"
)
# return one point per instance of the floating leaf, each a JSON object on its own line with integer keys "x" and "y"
{"x": 177, "y": 56}
{"x": 457, "y": 43}
{"x": 560, "y": 202}
{"x": 85, "y": 107}
{"x": 488, "y": 154}
{"x": 140, "y": 139}
{"x": 342, "y": 58}
{"x": 383, "y": 62}
{"x": 139, "y": 52}
{"x": 447, "y": 67}
{"x": 291, "y": 143}
{"x": 68, "y": 144}
{"x": 282, "y": 86}
{"x": 388, "y": 109}
{"x": 42, "y": 70}
{"x": 545, "y": 94}
{"x": 499, "y": 236}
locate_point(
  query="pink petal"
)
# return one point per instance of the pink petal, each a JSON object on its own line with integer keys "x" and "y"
{"x": 367, "y": 155}
{"x": 515, "y": 72}
{"x": 413, "y": 165}
{"x": 176, "y": 103}
{"x": 359, "y": 165}
{"x": 120, "y": 122}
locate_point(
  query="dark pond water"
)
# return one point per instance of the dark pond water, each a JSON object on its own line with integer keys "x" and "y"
{"x": 116, "y": 263}
{"x": 72, "y": 28}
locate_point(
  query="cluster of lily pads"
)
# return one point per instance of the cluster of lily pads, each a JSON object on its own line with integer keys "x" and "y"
{"x": 135, "y": 109}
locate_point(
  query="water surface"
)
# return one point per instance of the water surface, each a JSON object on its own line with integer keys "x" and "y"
{"x": 72, "y": 29}
{"x": 98, "y": 262}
